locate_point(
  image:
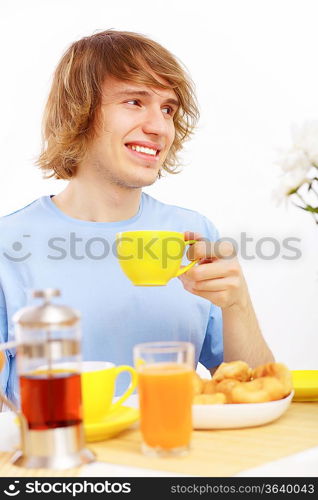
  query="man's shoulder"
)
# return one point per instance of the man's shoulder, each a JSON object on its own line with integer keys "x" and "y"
{"x": 21, "y": 215}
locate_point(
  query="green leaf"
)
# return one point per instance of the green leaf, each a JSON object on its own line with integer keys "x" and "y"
{"x": 309, "y": 208}
{"x": 293, "y": 191}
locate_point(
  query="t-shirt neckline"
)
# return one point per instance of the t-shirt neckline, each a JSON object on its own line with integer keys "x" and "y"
{"x": 48, "y": 204}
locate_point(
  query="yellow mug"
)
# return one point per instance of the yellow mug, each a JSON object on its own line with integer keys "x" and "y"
{"x": 98, "y": 388}
{"x": 152, "y": 258}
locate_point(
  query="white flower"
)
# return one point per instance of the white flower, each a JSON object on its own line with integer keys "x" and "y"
{"x": 305, "y": 138}
{"x": 294, "y": 160}
{"x": 299, "y": 167}
{"x": 290, "y": 181}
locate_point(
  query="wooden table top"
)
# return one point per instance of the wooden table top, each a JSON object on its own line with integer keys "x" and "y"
{"x": 214, "y": 453}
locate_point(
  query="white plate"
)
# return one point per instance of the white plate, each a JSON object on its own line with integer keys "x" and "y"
{"x": 233, "y": 416}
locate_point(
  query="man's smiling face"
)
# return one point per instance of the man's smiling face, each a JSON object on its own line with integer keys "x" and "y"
{"x": 138, "y": 131}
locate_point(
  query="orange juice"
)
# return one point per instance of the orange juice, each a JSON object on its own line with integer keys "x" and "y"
{"x": 165, "y": 398}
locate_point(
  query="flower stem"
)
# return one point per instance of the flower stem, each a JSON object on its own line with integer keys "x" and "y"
{"x": 312, "y": 214}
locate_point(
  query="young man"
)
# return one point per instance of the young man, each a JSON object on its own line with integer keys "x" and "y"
{"x": 119, "y": 110}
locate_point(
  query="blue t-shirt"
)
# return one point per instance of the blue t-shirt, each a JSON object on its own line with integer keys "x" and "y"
{"x": 41, "y": 247}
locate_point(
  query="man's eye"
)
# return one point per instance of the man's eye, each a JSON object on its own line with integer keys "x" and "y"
{"x": 133, "y": 100}
{"x": 169, "y": 110}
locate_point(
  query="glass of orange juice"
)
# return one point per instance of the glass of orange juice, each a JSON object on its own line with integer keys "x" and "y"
{"x": 165, "y": 389}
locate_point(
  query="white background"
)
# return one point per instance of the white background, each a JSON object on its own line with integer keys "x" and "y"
{"x": 255, "y": 67}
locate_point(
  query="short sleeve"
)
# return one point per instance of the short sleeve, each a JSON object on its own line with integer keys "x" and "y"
{"x": 8, "y": 380}
{"x": 212, "y": 349}
{"x": 4, "y": 375}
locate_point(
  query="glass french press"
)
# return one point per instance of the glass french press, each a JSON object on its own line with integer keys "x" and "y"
{"x": 48, "y": 344}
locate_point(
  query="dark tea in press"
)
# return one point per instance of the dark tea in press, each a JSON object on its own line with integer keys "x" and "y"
{"x": 51, "y": 399}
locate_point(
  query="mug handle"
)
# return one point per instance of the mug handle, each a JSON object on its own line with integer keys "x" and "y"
{"x": 192, "y": 263}
{"x": 131, "y": 387}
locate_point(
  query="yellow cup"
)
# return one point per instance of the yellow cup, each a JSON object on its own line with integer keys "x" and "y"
{"x": 152, "y": 258}
{"x": 98, "y": 388}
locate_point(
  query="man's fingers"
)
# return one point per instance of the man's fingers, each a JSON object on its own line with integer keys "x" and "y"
{"x": 191, "y": 235}
{"x": 211, "y": 250}
{"x": 212, "y": 285}
{"x": 201, "y": 250}
{"x": 205, "y": 261}
{"x": 211, "y": 270}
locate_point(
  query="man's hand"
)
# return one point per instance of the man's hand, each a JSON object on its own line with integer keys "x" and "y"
{"x": 218, "y": 277}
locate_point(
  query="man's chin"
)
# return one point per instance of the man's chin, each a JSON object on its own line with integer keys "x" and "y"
{"x": 139, "y": 185}
{"x": 142, "y": 181}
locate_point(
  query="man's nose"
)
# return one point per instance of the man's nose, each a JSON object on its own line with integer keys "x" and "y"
{"x": 155, "y": 122}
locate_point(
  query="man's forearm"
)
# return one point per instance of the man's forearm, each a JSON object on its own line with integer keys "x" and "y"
{"x": 242, "y": 337}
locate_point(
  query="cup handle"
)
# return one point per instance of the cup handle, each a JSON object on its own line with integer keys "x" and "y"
{"x": 131, "y": 387}
{"x": 192, "y": 263}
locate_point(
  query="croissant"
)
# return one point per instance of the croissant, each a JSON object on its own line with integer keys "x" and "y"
{"x": 236, "y": 382}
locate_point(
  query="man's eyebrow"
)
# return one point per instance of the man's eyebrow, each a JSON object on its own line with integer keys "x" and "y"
{"x": 144, "y": 93}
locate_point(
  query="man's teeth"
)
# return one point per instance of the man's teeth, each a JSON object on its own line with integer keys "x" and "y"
{"x": 142, "y": 149}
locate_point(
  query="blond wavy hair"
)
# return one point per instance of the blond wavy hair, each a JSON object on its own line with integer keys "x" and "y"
{"x": 72, "y": 113}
